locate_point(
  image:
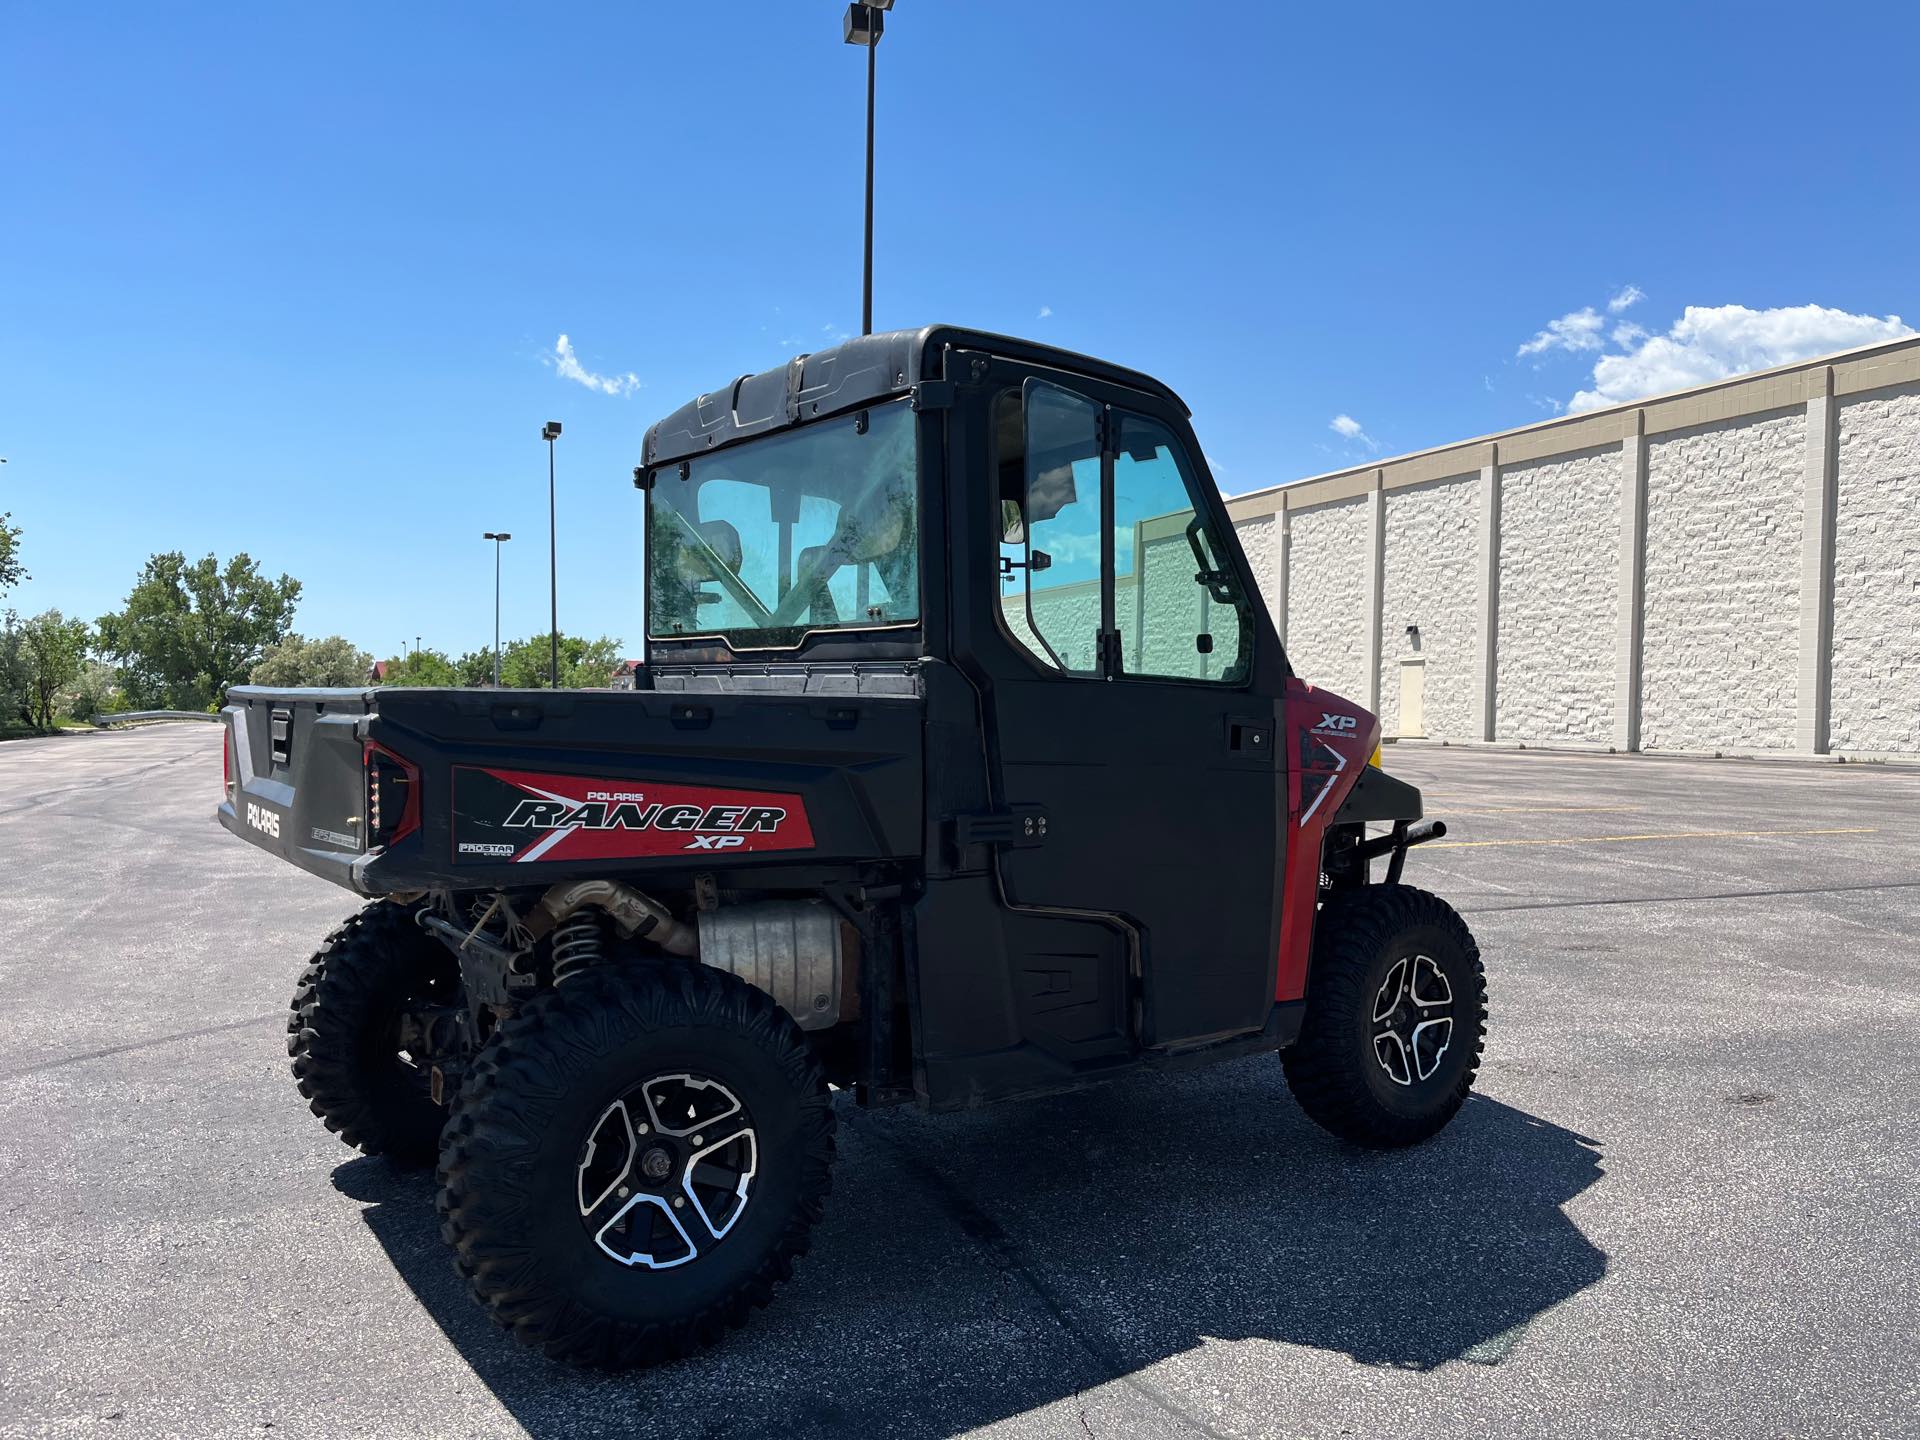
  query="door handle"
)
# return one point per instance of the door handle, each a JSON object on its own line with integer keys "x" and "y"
{"x": 1249, "y": 737}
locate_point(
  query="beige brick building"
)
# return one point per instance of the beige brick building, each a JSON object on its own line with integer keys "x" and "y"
{"x": 1734, "y": 567}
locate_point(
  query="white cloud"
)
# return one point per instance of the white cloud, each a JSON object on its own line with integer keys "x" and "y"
{"x": 1711, "y": 342}
{"x": 567, "y": 365}
{"x": 1348, "y": 428}
{"x": 1631, "y": 295}
{"x": 1577, "y": 330}
{"x": 1626, "y": 333}
{"x": 1045, "y": 311}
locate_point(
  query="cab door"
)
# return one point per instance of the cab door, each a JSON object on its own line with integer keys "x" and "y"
{"x": 1136, "y": 707}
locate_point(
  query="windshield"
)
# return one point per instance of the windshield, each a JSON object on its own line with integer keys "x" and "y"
{"x": 814, "y": 529}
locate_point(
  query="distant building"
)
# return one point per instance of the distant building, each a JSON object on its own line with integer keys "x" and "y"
{"x": 1730, "y": 567}
{"x": 377, "y": 675}
{"x": 624, "y": 672}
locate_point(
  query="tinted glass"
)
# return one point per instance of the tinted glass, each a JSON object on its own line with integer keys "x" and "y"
{"x": 1178, "y": 609}
{"x": 814, "y": 529}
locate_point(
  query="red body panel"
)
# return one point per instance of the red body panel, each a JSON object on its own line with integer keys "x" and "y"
{"x": 1328, "y": 742}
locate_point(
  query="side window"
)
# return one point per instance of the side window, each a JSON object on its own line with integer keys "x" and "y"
{"x": 1047, "y": 449}
{"x": 1177, "y": 606}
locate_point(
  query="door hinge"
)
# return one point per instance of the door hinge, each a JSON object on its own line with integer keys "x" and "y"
{"x": 932, "y": 395}
{"x": 1020, "y": 827}
{"x": 1109, "y": 647}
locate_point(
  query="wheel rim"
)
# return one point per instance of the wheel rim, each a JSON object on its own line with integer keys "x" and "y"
{"x": 667, "y": 1171}
{"x": 1412, "y": 1019}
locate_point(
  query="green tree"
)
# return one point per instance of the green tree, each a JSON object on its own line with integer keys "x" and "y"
{"x": 10, "y": 572}
{"x": 53, "y": 648}
{"x": 188, "y": 631}
{"x": 422, "y": 667}
{"x": 584, "y": 664}
{"x": 13, "y": 674}
{"x": 334, "y": 661}
{"x": 96, "y": 691}
{"x": 475, "y": 667}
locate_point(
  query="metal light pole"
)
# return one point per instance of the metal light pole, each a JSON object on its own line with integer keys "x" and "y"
{"x": 866, "y": 21}
{"x": 497, "y": 538}
{"x": 549, "y": 433}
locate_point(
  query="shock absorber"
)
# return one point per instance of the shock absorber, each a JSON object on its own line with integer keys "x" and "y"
{"x": 579, "y": 941}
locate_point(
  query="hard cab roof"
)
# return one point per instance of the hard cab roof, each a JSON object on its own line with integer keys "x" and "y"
{"x": 862, "y": 371}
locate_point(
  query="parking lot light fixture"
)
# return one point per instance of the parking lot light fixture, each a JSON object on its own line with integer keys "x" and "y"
{"x": 549, "y": 433}
{"x": 498, "y": 537}
{"x": 866, "y": 21}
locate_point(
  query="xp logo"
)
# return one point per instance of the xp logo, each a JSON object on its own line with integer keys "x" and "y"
{"x": 717, "y": 842}
{"x": 265, "y": 821}
{"x": 1338, "y": 724}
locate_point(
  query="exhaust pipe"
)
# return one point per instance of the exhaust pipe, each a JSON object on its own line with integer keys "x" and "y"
{"x": 632, "y": 913}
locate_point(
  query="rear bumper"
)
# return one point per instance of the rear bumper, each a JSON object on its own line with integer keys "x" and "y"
{"x": 268, "y": 828}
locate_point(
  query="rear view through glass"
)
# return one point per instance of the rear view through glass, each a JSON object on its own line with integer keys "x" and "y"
{"x": 815, "y": 529}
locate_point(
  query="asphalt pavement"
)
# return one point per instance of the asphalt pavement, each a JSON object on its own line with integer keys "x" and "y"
{"x": 1682, "y": 1203}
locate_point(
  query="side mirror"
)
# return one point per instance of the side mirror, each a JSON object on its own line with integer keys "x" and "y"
{"x": 1219, "y": 583}
{"x": 1039, "y": 560}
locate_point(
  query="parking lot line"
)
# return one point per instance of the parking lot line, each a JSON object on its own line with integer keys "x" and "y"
{"x": 1546, "y": 810}
{"x": 1676, "y": 835}
{"x": 1710, "y": 896}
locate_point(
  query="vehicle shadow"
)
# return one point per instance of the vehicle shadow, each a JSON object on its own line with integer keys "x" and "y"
{"x": 973, "y": 1267}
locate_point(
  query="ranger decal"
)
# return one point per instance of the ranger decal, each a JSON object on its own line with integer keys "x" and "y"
{"x": 527, "y": 817}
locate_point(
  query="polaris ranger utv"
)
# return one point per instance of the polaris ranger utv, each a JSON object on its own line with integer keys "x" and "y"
{"x": 964, "y": 765}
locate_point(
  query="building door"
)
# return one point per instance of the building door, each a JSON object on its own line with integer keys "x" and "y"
{"x": 1413, "y": 693}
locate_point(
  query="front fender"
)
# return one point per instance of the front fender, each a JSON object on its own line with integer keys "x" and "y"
{"x": 1377, "y": 795}
{"x": 1327, "y": 741}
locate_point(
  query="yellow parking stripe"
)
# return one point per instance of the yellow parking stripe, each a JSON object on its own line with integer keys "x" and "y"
{"x": 1546, "y": 810}
{"x": 1678, "y": 835}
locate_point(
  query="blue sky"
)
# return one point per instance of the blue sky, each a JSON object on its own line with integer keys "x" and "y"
{"x": 291, "y": 280}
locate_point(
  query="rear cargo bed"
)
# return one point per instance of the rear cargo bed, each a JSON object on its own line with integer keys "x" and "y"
{"x": 480, "y": 789}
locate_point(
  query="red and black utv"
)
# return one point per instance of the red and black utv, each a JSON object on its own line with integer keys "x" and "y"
{"x": 965, "y": 765}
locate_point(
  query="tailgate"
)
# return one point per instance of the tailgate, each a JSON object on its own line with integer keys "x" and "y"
{"x": 296, "y": 785}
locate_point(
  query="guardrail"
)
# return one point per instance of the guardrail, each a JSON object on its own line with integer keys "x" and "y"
{"x": 155, "y": 715}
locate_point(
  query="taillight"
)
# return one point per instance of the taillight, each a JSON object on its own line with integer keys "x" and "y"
{"x": 393, "y": 795}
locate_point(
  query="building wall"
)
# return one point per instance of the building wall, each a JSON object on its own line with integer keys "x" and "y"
{"x": 1068, "y": 616}
{"x": 1430, "y": 580}
{"x": 1256, "y": 539}
{"x": 1167, "y": 610}
{"x": 1876, "y": 574}
{"x": 1327, "y": 599}
{"x": 1559, "y": 598}
{"x": 1722, "y": 609}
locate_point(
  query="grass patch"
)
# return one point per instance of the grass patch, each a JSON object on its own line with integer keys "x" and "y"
{"x": 32, "y": 732}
